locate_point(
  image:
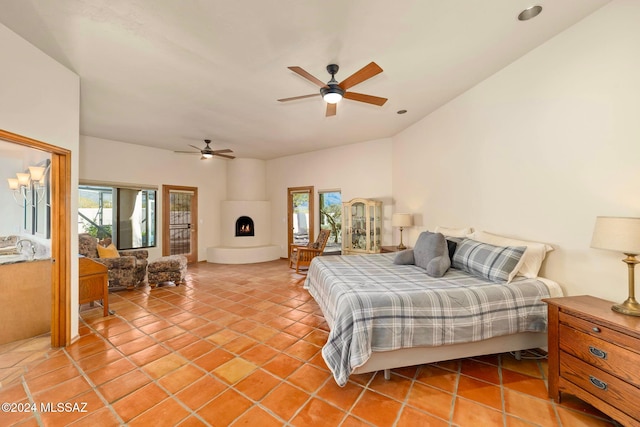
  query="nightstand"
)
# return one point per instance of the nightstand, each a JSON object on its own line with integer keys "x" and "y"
{"x": 386, "y": 249}
{"x": 594, "y": 354}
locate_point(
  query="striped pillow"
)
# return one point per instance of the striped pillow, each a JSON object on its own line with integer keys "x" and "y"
{"x": 495, "y": 263}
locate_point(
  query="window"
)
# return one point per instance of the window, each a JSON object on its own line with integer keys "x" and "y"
{"x": 126, "y": 215}
{"x": 331, "y": 218}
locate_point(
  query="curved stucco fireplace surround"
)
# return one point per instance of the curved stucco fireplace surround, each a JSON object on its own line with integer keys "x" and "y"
{"x": 246, "y": 202}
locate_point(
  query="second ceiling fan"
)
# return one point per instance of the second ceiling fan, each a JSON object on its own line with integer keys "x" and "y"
{"x": 207, "y": 152}
{"x": 332, "y": 91}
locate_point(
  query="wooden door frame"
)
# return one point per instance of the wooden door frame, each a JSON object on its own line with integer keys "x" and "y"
{"x": 60, "y": 235}
{"x": 166, "y": 241}
{"x": 312, "y": 214}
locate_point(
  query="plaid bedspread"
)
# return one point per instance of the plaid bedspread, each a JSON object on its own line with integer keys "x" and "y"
{"x": 372, "y": 304}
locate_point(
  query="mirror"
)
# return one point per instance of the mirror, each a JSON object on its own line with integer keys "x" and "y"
{"x": 36, "y": 200}
{"x": 42, "y": 203}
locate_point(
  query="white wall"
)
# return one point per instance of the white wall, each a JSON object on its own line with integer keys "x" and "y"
{"x": 357, "y": 170}
{"x": 538, "y": 150}
{"x": 119, "y": 162}
{"x": 41, "y": 100}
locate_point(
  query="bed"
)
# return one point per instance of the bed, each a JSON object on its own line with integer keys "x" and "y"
{"x": 382, "y": 315}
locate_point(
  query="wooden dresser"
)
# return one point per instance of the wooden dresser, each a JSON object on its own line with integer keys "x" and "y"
{"x": 94, "y": 283}
{"x": 594, "y": 354}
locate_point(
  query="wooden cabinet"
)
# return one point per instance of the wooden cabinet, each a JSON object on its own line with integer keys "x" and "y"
{"x": 94, "y": 283}
{"x": 594, "y": 354}
{"x": 361, "y": 226}
{"x": 25, "y": 306}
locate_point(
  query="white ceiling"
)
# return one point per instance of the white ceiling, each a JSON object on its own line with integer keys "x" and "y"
{"x": 168, "y": 73}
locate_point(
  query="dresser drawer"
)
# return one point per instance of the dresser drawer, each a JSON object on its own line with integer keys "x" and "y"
{"x": 604, "y": 386}
{"x": 604, "y": 355}
{"x": 594, "y": 329}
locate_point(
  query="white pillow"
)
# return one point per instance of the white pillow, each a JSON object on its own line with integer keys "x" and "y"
{"x": 531, "y": 259}
{"x": 454, "y": 232}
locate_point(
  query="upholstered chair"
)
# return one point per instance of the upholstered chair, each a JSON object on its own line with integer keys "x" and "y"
{"x": 127, "y": 268}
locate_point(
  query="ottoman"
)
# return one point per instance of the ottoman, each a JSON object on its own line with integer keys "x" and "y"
{"x": 171, "y": 268}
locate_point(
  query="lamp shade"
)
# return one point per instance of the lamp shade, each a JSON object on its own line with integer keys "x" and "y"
{"x": 23, "y": 178}
{"x": 37, "y": 172}
{"x": 13, "y": 183}
{"x": 617, "y": 234}
{"x": 401, "y": 220}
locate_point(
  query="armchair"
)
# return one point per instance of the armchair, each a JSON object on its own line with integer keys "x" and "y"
{"x": 126, "y": 271}
{"x": 301, "y": 256}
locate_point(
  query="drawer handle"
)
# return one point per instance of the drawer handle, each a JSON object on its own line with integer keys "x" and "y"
{"x": 600, "y": 354}
{"x": 598, "y": 383}
{"x": 595, "y": 329}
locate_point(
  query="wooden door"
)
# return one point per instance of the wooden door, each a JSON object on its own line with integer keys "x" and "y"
{"x": 60, "y": 185}
{"x": 180, "y": 221}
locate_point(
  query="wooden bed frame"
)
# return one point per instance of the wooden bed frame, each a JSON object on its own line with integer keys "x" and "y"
{"x": 388, "y": 360}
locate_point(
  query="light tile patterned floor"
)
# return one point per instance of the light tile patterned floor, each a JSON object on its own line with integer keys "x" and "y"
{"x": 240, "y": 345}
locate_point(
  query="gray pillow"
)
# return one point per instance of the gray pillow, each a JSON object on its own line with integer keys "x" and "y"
{"x": 404, "y": 258}
{"x": 495, "y": 263}
{"x": 431, "y": 253}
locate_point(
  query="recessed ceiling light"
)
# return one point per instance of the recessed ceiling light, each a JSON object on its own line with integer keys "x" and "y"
{"x": 401, "y": 111}
{"x": 530, "y": 12}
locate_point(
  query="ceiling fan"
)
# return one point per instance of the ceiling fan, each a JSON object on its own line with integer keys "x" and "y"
{"x": 208, "y": 153}
{"x": 332, "y": 91}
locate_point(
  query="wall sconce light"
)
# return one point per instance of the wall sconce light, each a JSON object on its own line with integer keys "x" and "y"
{"x": 28, "y": 188}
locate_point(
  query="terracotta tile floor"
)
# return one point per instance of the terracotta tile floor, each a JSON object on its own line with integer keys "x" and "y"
{"x": 240, "y": 345}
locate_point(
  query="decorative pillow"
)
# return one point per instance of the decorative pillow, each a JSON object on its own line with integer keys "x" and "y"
{"x": 109, "y": 252}
{"x": 532, "y": 258}
{"x": 494, "y": 263}
{"x": 454, "y": 232}
{"x": 430, "y": 252}
{"x": 404, "y": 258}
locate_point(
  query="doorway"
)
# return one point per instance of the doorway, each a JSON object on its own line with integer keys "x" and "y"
{"x": 300, "y": 216}
{"x": 179, "y": 221}
{"x": 330, "y": 212}
{"x": 60, "y": 181}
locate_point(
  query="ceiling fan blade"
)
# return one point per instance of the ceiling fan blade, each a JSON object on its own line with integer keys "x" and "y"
{"x": 298, "y": 97}
{"x": 331, "y": 109}
{"x": 361, "y": 75}
{"x": 369, "y": 99}
{"x": 187, "y": 152}
{"x": 197, "y": 148}
{"x": 225, "y": 150}
{"x": 224, "y": 155}
{"x": 308, "y": 76}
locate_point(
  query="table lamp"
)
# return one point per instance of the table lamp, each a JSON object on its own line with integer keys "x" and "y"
{"x": 401, "y": 220}
{"x": 621, "y": 235}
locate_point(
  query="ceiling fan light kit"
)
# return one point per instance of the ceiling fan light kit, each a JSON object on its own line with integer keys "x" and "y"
{"x": 332, "y": 92}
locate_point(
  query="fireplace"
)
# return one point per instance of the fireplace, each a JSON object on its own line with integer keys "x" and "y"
{"x": 244, "y": 227}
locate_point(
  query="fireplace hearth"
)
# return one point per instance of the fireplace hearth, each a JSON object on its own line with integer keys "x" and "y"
{"x": 244, "y": 227}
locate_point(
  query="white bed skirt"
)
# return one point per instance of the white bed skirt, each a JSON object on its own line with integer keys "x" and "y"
{"x": 421, "y": 355}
